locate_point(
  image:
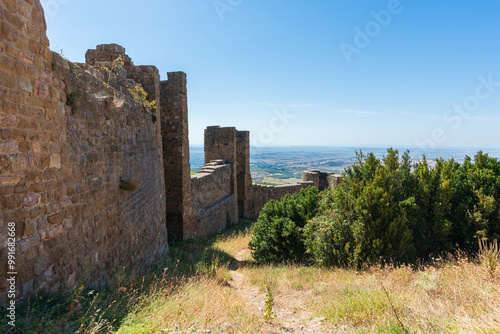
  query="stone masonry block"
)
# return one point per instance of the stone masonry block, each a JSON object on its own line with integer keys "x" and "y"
{"x": 23, "y": 9}
{"x": 8, "y": 147}
{"x": 9, "y": 180}
{"x": 4, "y": 163}
{"x": 11, "y": 5}
{"x": 26, "y": 57}
{"x": 56, "y": 219}
{"x": 19, "y": 163}
{"x": 55, "y": 161}
{"x": 7, "y": 120}
{"x": 41, "y": 89}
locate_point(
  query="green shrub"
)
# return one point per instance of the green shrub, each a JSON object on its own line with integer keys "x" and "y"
{"x": 388, "y": 210}
{"x": 364, "y": 219}
{"x": 278, "y": 233}
{"x": 477, "y": 202}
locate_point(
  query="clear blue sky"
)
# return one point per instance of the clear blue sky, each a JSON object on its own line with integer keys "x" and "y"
{"x": 323, "y": 72}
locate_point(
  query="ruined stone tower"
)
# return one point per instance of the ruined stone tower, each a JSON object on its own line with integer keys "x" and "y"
{"x": 175, "y": 139}
{"x": 220, "y": 143}
{"x": 243, "y": 175}
{"x": 233, "y": 146}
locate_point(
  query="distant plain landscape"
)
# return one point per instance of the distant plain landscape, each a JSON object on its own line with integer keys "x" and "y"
{"x": 284, "y": 165}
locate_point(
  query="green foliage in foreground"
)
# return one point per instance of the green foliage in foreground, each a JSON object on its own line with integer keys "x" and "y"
{"x": 278, "y": 233}
{"x": 387, "y": 210}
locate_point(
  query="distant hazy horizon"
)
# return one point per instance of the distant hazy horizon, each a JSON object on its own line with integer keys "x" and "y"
{"x": 294, "y": 159}
{"x": 437, "y": 152}
{"x": 377, "y": 147}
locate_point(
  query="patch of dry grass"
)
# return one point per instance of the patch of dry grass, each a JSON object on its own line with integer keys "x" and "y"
{"x": 234, "y": 241}
{"x": 200, "y": 305}
{"x": 454, "y": 297}
{"x": 190, "y": 294}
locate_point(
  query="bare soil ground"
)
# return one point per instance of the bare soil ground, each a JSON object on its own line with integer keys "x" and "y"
{"x": 290, "y": 310}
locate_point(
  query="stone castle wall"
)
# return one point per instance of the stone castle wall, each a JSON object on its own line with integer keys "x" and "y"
{"x": 71, "y": 133}
{"x": 243, "y": 175}
{"x": 234, "y": 146}
{"x": 68, "y": 133}
{"x": 261, "y": 194}
{"x": 181, "y": 223}
{"x": 213, "y": 202}
{"x": 220, "y": 143}
{"x": 321, "y": 180}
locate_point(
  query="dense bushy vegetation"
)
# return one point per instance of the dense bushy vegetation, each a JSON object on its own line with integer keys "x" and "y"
{"x": 278, "y": 233}
{"x": 389, "y": 210}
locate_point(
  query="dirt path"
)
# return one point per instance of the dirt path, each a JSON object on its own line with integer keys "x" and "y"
{"x": 290, "y": 309}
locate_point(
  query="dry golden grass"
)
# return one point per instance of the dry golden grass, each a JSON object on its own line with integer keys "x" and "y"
{"x": 195, "y": 294}
{"x": 201, "y": 305}
{"x": 456, "y": 297}
{"x": 450, "y": 296}
{"x": 235, "y": 241}
{"x": 204, "y": 303}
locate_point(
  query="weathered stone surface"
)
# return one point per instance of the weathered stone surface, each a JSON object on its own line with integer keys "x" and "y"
{"x": 215, "y": 206}
{"x": 181, "y": 223}
{"x": 26, "y": 57}
{"x": 11, "y": 5}
{"x": 4, "y": 163}
{"x": 38, "y": 17}
{"x": 41, "y": 89}
{"x": 20, "y": 229}
{"x": 8, "y": 146}
{"x": 56, "y": 219}
{"x": 36, "y": 147}
{"x": 19, "y": 163}
{"x": 55, "y": 161}
{"x": 31, "y": 227}
{"x": 25, "y": 84}
{"x": 9, "y": 180}
{"x": 322, "y": 180}
{"x": 34, "y": 159}
{"x": 7, "y": 120}
{"x": 41, "y": 264}
{"x": 46, "y": 77}
{"x": 23, "y": 9}
{"x": 30, "y": 199}
{"x": 8, "y": 32}
{"x": 65, "y": 202}
{"x": 47, "y": 274}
